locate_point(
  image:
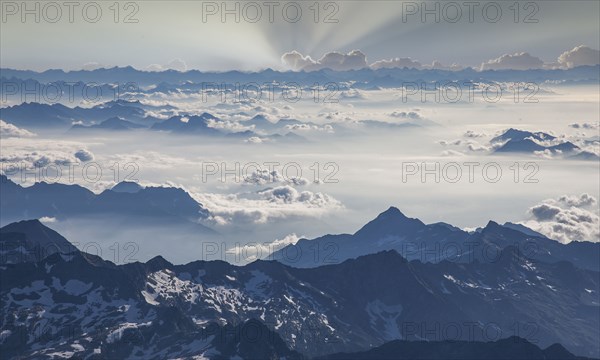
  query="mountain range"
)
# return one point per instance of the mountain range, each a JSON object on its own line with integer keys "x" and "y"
{"x": 79, "y": 303}
{"x": 169, "y": 206}
{"x": 392, "y": 230}
{"x": 123, "y": 115}
{"x": 365, "y": 78}
{"x": 33, "y": 115}
{"x": 112, "y": 124}
{"x": 521, "y": 141}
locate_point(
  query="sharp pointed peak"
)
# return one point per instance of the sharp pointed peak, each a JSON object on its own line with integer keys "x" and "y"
{"x": 389, "y": 222}
{"x": 158, "y": 263}
{"x": 392, "y": 211}
{"x": 492, "y": 225}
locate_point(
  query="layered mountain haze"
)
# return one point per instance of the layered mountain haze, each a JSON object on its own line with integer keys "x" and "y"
{"x": 363, "y": 77}
{"x": 520, "y": 141}
{"x": 35, "y": 115}
{"x": 112, "y": 124}
{"x": 113, "y": 222}
{"x": 121, "y": 116}
{"x": 437, "y": 242}
{"x": 164, "y": 204}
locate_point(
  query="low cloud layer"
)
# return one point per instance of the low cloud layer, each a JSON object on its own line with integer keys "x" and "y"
{"x": 10, "y": 131}
{"x": 34, "y": 159}
{"x": 264, "y": 177}
{"x": 566, "y": 218}
{"x": 255, "y": 251}
{"x": 407, "y": 115}
{"x": 396, "y": 63}
{"x": 271, "y": 204}
{"x": 579, "y": 56}
{"x": 84, "y": 155}
{"x": 518, "y": 61}
{"x": 356, "y": 59}
{"x": 588, "y": 126}
{"x": 353, "y": 60}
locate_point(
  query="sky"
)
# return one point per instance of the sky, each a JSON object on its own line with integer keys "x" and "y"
{"x": 152, "y": 34}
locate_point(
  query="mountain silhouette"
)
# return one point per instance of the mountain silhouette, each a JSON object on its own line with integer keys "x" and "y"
{"x": 356, "y": 305}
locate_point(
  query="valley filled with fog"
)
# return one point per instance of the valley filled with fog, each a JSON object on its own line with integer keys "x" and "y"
{"x": 274, "y": 163}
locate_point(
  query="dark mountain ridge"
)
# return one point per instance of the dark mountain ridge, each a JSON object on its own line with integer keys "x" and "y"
{"x": 343, "y": 307}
